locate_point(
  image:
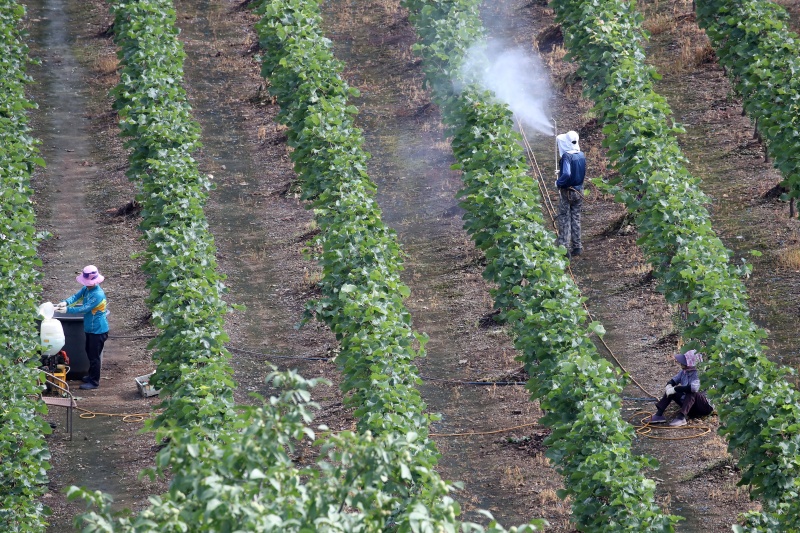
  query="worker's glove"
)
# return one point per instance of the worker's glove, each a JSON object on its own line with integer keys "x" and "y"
{"x": 669, "y": 390}
{"x": 60, "y": 307}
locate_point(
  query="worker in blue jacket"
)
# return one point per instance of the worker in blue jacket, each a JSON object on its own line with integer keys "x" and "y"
{"x": 571, "y": 172}
{"x": 91, "y": 302}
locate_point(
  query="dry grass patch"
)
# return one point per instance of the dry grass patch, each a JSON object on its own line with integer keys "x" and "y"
{"x": 789, "y": 258}
{"x": 598, "y": 158}
{"x": 311, "y": 278}
{"x": 555, "y": 57}
{"x": 714, "y": 449}
{"x": 639, "y": 269}
{"x": 541, "y": 460}
{"x": 512, "y": 477}
{"x": 660, "y": 23}
{"x": 107, "y": 64}
{"x": 695, "y": 50}
{"x": 547, "y": 496}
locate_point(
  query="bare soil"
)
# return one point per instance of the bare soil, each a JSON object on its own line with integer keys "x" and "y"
{"x": 261, "y": 229}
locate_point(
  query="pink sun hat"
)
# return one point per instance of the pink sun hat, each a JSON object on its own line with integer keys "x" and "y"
{"x": 90, "y": 276}
{"x": 690, "y": 358}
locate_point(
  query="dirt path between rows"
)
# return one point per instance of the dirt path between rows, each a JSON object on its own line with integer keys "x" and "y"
{"x": 83, "y": 180}
{"x": 261, "y": 229}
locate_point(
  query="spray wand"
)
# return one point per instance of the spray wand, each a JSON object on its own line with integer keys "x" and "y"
{"x": 555, "y": 134}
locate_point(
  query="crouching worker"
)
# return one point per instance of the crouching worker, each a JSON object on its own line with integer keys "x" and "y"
{"x": 684, "y": 389}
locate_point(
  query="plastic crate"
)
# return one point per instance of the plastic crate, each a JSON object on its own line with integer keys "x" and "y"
{"x": 145, "y": 389}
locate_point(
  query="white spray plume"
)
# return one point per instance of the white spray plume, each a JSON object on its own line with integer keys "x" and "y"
{"x": 516, "y": 78}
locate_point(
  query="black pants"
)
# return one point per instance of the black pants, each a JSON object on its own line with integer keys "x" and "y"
{"x": 94, "y": 348}
{"x": 692, "y": 404}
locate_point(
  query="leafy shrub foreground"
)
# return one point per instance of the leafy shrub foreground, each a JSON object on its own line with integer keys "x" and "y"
{"x": 250, "y": 479}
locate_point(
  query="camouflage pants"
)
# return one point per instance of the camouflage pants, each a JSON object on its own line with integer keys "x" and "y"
{"x": 569, "y": 219}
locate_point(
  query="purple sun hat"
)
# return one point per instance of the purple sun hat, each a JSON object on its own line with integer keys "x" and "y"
{"x": 90, "y": 276}
{"x": 690, "y": 358}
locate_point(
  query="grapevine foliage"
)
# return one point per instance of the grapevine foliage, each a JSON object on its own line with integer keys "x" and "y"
{"x": 762, "y": 57}
{"x": 759, "y": 410}
{"x": 249, "y": 478}
{"x": 362, "y": 292}
{"x": 24, "y": 454}
{"x": 237, "y": 471}
{"x": 363, "y": 295}
{"x": 185, "y": 286}
{"x": 590, "y": 443}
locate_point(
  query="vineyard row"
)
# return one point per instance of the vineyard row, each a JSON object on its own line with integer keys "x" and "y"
{"x": 240, "y": 475}
{"x": 759, "y": 410}
{"x": 590, "y": 443}
{"x": 362, "y": 294}
{"x": 24, "y": 454}
{"x": 762, "y": 57}
{"x": 179, "y": 260}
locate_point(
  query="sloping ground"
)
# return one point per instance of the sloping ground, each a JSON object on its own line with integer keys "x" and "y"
{"x": 449, "y": 301}
{"x": 722, "y": 152}
{"x": 722, "y": 149}
{"x": 77, "y": 197}
{"x": 793, "y": 7}
{"x": 261, "y": 228}
{"x": 621, "y": 294}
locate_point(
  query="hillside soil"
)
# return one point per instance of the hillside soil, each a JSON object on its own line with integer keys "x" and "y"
{"x": 488, "y": 436}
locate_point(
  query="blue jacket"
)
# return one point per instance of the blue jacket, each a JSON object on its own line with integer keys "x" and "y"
{"x": 91, "y": 301}
{"x": 572, "y": 171}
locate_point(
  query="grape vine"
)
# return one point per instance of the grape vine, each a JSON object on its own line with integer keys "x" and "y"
{"x": 763, "y": 59}
{"x": 759, "y": 410}
{"x": 24, "y": 454}
{"x": 241, "y": 474}
{"x": 590, "y": 443}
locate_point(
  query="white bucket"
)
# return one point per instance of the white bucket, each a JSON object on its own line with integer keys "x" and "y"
{"x": 52, "y": 332}
{"x": 47, "y": 309}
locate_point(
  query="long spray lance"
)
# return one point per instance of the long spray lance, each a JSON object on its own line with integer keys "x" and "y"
{"x": 555, "y": 135}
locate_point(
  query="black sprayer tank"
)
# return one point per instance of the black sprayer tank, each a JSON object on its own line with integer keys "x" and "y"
{"x": 74, "y": 344}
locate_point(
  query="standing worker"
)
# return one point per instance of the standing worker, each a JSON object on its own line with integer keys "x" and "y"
{"x": 91, "y": 302}
{"x": 571, "y": 171}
